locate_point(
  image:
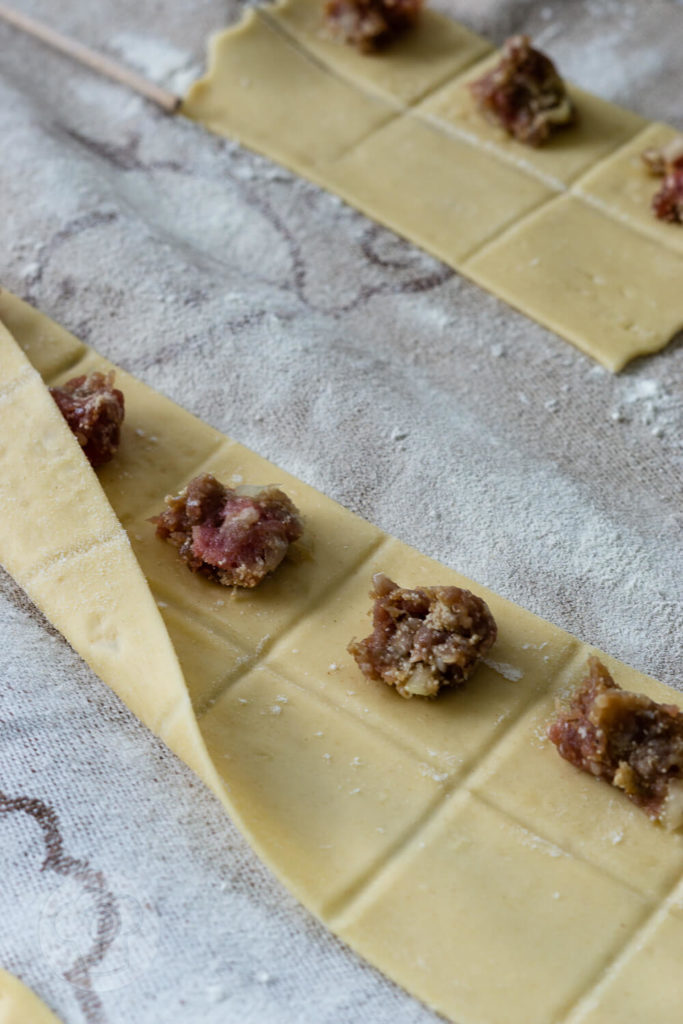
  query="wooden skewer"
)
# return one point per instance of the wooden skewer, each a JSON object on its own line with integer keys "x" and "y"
{"x": 168, "y": 101}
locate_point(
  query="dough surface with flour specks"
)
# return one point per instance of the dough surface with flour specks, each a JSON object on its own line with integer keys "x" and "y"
{"x": 397, "y": 135}
{"x": 394, "y": 821}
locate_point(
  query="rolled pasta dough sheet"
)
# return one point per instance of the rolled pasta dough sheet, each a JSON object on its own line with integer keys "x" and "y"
{"x": 397, "y": 136}
{"x": 445, "y": 841}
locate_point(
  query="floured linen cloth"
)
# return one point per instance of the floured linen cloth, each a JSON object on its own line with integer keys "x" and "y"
{"x": 362, "y": 366}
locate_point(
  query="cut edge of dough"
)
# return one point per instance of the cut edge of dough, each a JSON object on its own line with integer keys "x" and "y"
{"x": 178, "y": 727}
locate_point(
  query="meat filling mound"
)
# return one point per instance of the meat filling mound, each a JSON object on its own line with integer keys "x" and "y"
{"x": 627, "y": 739}
{"x": 93, "y": 408}
{"x": 667, "y": 163}
{"x": 423, "y": 639}
{"x": 233, "y": 538}
{"x": 370, "y": 25}
{"x": 524, "y": 94}
{"x": 667, "y": 202}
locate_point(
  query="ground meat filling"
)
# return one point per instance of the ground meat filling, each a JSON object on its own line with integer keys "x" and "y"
{"x": 667, "y": 163}
{"x": 370, "y": 25}
{"x": 233, "y": 538}
{"x": 626, "y": 739}
{"x": 524, "y": 94}
{"x": 94, "y": 410}
{"x": 667, "y": 203}
{"x": 423, "y": 639}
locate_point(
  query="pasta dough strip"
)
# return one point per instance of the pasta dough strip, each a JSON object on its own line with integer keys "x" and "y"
{"x": 397, "y": 136}
{"x": 445, "y": 841}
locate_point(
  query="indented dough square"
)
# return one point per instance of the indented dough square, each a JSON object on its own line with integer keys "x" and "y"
{"x": 436, "y": 190}
{"x": 599, "y": 128}
{"x": 526, "y": 777}
{"x": 333, "y": 543}
{"x": 265, "y": 92}
{"x": 313, "y": 784}
{"x": 611, "y": 291}
{"x": 447, "y": 733}
{"x": 497, "y": 924}
{"x": 414, "y": 64}
{"x": 645, "y": 986}
{"x": 622, "y": 186}
{"x": 208, "y": 660}
{"x": 48, "y": 346}
{"x": 160, "y": 441}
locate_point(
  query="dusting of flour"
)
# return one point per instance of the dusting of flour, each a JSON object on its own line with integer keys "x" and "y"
{"x": 159, "y": 60}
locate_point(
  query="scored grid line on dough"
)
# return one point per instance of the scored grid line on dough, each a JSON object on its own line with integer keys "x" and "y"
{"x": 74, "y": 551}
{"x": 398, "y": 116}
{"x": 480, "y": 792}
{"x": 459, "y": 787}
{"x": 402, "y": 107}
{"x": 613, "y": 352}
{"x": 631, "y": 944}
{"x": 610, "y": 212}
{"x": 609, "y": 185}
{"x": 613, "y": 155}
{"x": 653, "y": 228}
{"x": 487, "y": 244}
{"x": 533, "y": 829}
{"x": 453, "y": 132}
{"x": 621, "y": 992}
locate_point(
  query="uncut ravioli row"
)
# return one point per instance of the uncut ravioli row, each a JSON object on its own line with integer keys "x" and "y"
{"x": 561, "y": 232}
{"x": 444, "y": 840}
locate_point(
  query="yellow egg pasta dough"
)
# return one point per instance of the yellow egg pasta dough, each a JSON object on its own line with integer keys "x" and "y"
{"x": 446, "y": 841}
